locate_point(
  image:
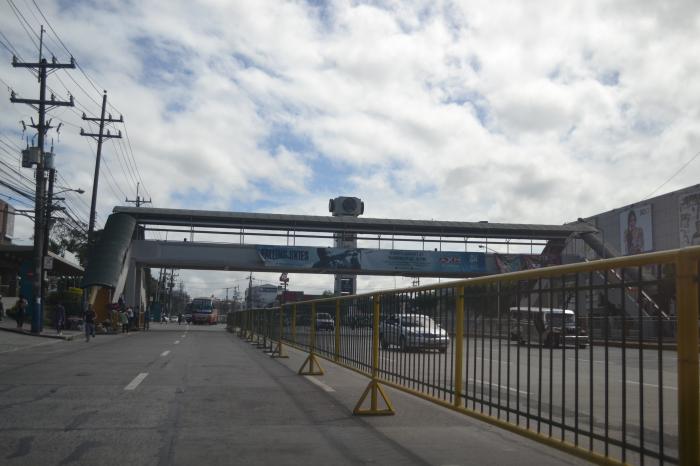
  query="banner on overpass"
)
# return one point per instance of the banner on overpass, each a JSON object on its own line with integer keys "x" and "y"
{"x": 372, "y": 260}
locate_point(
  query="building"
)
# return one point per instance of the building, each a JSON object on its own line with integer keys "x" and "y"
{"x": 261, "y": 296}
{"x": 668, "y": 221}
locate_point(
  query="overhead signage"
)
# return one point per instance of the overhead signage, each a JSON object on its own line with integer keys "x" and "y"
{"x": 371, "y": 260}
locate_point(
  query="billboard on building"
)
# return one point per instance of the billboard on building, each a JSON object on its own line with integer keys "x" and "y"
{"x": 689, "y": 219}
{"x": 636, "y": 230}
{"x": 372, "y": 260}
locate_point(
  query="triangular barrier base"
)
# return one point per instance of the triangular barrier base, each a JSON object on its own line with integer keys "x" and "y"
{"x": 311, "y": 361}
{"x": 278, "y": 352}
{"x": 375, "y": 391}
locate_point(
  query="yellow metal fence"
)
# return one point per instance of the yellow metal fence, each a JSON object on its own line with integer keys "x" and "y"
{"x": 614, "y": 380}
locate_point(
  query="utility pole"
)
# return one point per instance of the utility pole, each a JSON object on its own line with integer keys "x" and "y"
{"x": 99, "y": 137}
{"x": 138, "y": 200}
{"x": 42, "y": 105}
{"x": 250, "y": 291}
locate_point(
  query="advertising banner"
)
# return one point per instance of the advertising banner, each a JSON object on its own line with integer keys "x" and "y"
{"x": 635, "y": 230}
{"x": 689, "y": 219}
{"x": 371, "y": 260}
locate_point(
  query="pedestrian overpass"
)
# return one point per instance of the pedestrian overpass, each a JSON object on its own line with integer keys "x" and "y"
{"x": 122, "y": 251}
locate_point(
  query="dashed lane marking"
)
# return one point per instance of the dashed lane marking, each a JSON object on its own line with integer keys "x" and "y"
{"x": 137, "y": 381}
{"x": 165, "y": 353}
{"x": 177, "y": 342}
{"x": 317, "y": 382}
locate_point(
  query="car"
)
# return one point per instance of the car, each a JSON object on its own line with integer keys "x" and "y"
{"x": 324, "y": 321}
{"x": 188, "y": 318}
{"x": 173, "y": 318}
{"x": 413, "y": 331}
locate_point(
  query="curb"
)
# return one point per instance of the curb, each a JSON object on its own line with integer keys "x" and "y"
{"x": 24, "y": 332}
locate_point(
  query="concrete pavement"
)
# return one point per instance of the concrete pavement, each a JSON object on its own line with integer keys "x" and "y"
{"x": 199, "y": 395}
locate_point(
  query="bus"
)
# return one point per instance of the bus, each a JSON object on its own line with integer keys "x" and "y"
{"x": 552, "y": 327}
{"x": 205, "y": 311}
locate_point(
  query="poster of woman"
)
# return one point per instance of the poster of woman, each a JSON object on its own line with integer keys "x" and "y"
{"x": 636, "y": 230}
{"x": 689, "y": 219}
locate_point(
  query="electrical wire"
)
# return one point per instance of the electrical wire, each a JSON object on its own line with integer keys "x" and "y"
{"x": 676, "y": 173}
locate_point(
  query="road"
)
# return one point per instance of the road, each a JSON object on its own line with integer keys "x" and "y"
{"x": 198, "y": 395}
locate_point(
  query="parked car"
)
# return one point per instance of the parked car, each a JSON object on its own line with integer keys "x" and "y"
{"x": 324, "y": 321}
{"x": 413, "y": 331}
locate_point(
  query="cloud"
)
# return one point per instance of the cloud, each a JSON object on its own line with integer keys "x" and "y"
{"x": 446, "y": 110}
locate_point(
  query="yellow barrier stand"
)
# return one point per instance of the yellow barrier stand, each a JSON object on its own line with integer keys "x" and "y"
{"x": 688, "y": 385}
{"x": 314, "y": 367}
{"x": 459, "y": 345}
{"x": 374, "y": 389}
{"x": 278, "y": 351}
{"x": 336, "y": 354}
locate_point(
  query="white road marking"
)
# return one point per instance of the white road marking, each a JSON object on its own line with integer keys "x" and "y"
{"x": 317, "y": 382}
{"x": 137, "y": 381}
{"x": 503, "y": 387}
{"x": 667, "y": 387}
{"x": 177, "y": 342}
{"x": 165, "y": 353}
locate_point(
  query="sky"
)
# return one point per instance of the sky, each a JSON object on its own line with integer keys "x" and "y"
{"x": 521, "y": 112}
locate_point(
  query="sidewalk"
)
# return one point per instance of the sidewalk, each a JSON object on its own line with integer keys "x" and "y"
{"x": 9, "y": 325}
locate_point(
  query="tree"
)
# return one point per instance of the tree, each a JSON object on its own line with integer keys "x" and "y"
{"x": 69, "y": 236}
{"x": 327, "y": 293}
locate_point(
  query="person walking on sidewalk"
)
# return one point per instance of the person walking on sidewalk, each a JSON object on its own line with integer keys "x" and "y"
{"x": 2, "y": 309}
{"x": 60, "y": 318}
{"x": 21, "y": 309}
{"x": 125, "y": 321}
{"x": 89, "y": 320}
{"x": 147, "y": 319}
{"x": 130, "y": 316}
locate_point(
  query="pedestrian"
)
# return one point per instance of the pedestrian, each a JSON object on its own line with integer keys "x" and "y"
{"x": 163, "y": 319}
{"x": 2, "y": 309}
{"x": 21, "y": 309}
{"x": 130, "y": 316}
{"x": 125, "y": 321}
{"x": 89, "y": 320}
{"x": 147, "y": 319}
{"x": 60, "y": 318}
{"x": 179, "y": 318}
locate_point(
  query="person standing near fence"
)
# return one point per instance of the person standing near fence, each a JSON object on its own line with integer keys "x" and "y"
{"x": 60, "y": 318}
{"x": 89, "y": 320}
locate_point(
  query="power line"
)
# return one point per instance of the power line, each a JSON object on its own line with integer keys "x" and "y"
{"x": 673, "y": 176}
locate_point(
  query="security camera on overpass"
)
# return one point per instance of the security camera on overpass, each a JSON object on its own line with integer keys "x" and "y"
{"x": 342, "y": 205}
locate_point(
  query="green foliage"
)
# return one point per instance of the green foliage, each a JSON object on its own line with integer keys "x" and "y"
{"x": 69, "y": 236}
{"x": 71, "y": 300}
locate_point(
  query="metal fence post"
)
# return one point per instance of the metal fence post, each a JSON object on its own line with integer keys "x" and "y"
{"x": 277, "y": 352}
{"x": 459, "y": 345}
{"x": 294, "y": 324}
{"x": 314, "y": 367}
{"x": 336, "y": 355}
{"x": 374, "y": 389}
{"x": 688, "y": 385}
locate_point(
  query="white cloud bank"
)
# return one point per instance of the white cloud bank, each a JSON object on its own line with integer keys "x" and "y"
{"x": 539, "y": 112}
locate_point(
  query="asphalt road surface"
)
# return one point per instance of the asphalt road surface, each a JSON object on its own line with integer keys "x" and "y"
{"x": 199, "y": 395}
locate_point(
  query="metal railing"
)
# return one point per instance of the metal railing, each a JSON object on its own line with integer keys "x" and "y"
{"x": 607, "y": 381}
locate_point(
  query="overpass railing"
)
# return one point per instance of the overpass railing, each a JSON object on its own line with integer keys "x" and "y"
{"x": 608, "y": 382}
